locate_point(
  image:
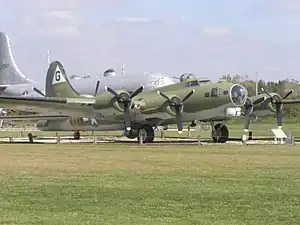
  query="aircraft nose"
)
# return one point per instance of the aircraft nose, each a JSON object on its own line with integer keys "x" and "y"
{"x": 238, "y": 95}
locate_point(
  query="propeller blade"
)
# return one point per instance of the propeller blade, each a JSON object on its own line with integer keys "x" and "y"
{"x": 247, "y": 114}
{"x": 278, "y": 115}
{"x": 113, "y": 92}
{"x": 246, "y": 122}
{"x": 188, "y": 95}
{"x": 288, "y": 94}
{"x": 179, "y": 119}
{"x": 127, "y": 117}
{"x": 137, "y": 91}
{"x": 260, "y": 100}
{"x": 97, "y": 87}
{"x": 38, "y": 91}
{"x": 164, "y": 95}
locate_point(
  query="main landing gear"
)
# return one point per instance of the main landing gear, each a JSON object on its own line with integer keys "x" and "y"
{"x": 144, "y": 132}
{"x": 220, "y": 133}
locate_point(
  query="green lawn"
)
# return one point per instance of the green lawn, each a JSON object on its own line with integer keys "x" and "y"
{"x": 120, "y": 184}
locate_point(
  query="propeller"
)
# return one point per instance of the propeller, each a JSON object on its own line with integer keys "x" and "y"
{"x": 97, "y": 87}
{"x": 38, "y": 91}
{"x": 177, "y": 103}
{"x": 125, "y": 100}
{"x": 248, "y": 109}
{"x": 277, "y": 100}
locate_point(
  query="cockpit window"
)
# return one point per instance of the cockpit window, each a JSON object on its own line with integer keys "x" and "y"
{"x": 192, "y": 83}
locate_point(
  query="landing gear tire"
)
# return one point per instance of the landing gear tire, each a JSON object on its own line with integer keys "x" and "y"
{"x": 146, "y": 132}
{"x": 220, "y": 135}
{"x": 77, "y": 135}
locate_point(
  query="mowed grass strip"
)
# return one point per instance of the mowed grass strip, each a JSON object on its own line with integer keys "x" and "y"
{"x": 127, "y": 184}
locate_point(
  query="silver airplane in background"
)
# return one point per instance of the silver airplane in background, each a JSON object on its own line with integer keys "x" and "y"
{"x": 14, "y": 83}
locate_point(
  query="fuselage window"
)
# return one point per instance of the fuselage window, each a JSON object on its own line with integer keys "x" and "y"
{"x": 214, "y": 92}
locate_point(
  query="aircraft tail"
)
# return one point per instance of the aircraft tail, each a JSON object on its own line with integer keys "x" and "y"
{"x": 57, "y": 82}
{"x": 9, "y": 72}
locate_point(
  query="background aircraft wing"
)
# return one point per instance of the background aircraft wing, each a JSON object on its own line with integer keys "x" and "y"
{"x": 54, "y": 105}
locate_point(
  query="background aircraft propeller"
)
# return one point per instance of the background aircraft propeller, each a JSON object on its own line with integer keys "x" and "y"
{"x": 38, "y": 91}
{"x": 125, "y": 100}
{"x": 97, "y": 87}
{"x": 177, "y": 103}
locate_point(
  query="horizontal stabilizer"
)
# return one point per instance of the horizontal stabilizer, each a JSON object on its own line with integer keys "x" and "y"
{"x": 35, "y": 117}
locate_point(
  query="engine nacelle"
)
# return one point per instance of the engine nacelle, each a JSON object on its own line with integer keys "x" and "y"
{"x": 117, "y": 105}
{"x": 80, "y": 121}
{"x": 108, "y": 100}
{"x": 171, "y": 110}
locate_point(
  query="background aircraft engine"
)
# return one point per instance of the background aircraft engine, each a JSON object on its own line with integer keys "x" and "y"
{"x": 80, "y": 121}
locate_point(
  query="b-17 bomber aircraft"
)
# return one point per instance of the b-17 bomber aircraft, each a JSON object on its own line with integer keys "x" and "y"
{"x": 137, "y": 112}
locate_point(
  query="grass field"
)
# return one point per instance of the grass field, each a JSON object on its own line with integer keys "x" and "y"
{"x": 114, "y": 184}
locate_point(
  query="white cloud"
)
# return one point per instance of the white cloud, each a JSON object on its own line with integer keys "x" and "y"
{"x": 217, "y": 31}
{"x": 61, "y": 30}
{"x": 133, "y": 20}
{"x": 60, "y": 14}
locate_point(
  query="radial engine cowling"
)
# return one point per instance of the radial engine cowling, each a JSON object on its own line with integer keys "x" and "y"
{"x": 270, "y": 105}
{"x": 80, "y": 121}
{"x": 107, "y": 100}
{"x": 117, "y": 103}
{"x": 170, "y": 109}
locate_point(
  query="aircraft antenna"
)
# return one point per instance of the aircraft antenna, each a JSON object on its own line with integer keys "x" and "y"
{"x": 256, "y": 83}
{"x": 122, "y": 69}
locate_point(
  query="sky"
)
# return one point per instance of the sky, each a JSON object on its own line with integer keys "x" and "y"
{"x": 206, "y": 37}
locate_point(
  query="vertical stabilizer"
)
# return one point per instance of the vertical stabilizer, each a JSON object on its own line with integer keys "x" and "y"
{"x": 9, "y": 72}
{"x": 57, "y": 82}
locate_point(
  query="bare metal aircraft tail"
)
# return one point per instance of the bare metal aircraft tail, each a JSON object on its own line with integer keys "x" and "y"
{"x": 9, "y": 72}
{"x": 57, "y": 82}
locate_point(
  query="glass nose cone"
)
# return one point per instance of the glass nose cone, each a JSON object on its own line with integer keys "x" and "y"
{"x": 238, "y": 95}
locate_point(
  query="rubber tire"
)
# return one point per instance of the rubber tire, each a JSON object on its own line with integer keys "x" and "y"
{"x": 149, "y": 132}
{"x": 222, "y": 136}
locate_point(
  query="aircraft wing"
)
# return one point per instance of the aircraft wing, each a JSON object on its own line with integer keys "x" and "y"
{"x": 291, "y": 101}
{"x": 69, "y": 106}
{"x": 35, "y": 117}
